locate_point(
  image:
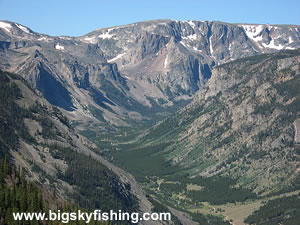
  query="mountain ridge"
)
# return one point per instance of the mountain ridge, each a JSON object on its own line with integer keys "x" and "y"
{"x": 38, "y": 139}
{"x": 154, "y": 64}
{"x": 236, "y": 143}
{"x": 196, "y": 118}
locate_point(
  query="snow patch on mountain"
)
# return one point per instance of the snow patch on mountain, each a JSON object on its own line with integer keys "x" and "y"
{"x": 196, "y": 49}
{"x": 272, "y": 45}
{"x": 107, "y": 35}
{"x": 115, "y": 58}
{"x": 65, "y": 38}
{"x": 191, "y": 23}
{"x": 25, "y": 29}
{"x": 5, "y": 26}
{"x": 45, "y": 39}
{"x": 191, "y": 37}
{"x": 253, "y": 31}
{"x": 92, "y": 40}
{"x": 272, "y": 27}
{"x": 166, "y": 61}
{"x": 210, "y": 45}
{"x": 181, "y": 42}
{"x": 59, "y": 47}
{"x": 290, "y": 48}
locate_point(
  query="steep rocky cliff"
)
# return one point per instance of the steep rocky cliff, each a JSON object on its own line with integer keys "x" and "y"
{"x": 36, "y": 137}
{"x": 113, "y": 75}
{"x": 244, "y": 124}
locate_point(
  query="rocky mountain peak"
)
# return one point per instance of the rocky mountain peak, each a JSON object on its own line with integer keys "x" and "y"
{"x": 153, "y": 63}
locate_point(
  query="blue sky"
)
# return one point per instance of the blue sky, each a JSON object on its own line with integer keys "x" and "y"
{"x": 75, "y": 18}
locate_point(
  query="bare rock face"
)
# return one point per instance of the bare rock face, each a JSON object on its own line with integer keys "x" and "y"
{"x": 46, "y": 131}
{"x": 117, "y": 74}
{"x": 244, "y": 123}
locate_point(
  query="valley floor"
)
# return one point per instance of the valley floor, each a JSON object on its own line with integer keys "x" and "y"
{"x": 237, "y": 213}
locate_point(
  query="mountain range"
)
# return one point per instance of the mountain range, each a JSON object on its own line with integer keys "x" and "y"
{"x": 184, "y": 106}
{"x": 153, "y": 65}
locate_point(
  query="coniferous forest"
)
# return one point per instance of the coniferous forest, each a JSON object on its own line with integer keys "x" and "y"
{"x": 19, "y": 195}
